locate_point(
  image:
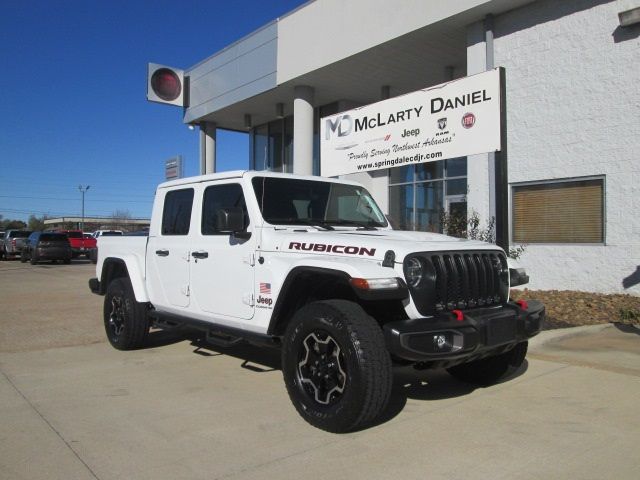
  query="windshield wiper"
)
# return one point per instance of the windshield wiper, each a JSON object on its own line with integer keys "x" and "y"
{"x": 351, "y": 223}
{"x": 320, "y": 224}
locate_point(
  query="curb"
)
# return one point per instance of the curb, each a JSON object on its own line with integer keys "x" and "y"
{"x": 559, "y": 334}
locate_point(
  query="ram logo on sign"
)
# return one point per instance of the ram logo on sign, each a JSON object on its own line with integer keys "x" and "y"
{"x": 454, "y": 119}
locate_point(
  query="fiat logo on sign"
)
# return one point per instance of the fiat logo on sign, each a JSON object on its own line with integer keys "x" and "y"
{"x": 468, "y": 120}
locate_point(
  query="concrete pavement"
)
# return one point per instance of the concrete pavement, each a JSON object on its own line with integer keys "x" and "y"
{"x": 73, "y": 407}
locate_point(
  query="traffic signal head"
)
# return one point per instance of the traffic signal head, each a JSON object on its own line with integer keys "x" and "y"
{"x": 165, "y": 85}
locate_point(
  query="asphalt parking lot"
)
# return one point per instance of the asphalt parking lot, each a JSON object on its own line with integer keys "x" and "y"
{"x": 71, "y": 407}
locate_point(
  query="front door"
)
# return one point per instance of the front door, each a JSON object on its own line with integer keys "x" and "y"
{"x": 222, "y": 267}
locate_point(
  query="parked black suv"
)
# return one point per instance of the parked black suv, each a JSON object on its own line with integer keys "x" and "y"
{"x": 46, "y": 246}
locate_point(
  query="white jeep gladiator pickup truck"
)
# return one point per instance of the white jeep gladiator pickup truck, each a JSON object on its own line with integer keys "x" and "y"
{"x": 311, "y": 265}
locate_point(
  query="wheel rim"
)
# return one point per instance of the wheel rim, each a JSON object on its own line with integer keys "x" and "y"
{"x": 116, "y": 317}
{"x": 321, "y": 368}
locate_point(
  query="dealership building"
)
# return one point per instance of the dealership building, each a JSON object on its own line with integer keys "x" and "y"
{"x": 564, "y": 178}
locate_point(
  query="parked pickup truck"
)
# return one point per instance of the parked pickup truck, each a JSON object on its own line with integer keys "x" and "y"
{"x": 80, "y": 245}
{"x": 311, "y": 265}
{"x": 12, "y": 243}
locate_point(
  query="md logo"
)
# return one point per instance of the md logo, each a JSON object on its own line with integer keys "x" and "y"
{"x": 342, "y": 125}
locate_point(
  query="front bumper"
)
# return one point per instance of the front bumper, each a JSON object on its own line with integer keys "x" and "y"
{"x": 449, "y": 338}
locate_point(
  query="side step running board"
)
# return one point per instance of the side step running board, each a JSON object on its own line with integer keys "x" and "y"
{"x": 216, "y": 334}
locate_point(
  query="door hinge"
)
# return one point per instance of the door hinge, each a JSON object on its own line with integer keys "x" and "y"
{"x": 186, "y": 291}
{"x": 250, "y": 259}
{"x": 248, "y": 299}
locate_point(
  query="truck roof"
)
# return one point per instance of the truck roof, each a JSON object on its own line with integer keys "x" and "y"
{"x": 249, "y": 174}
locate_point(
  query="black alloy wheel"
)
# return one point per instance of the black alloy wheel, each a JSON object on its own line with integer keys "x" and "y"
{"x": 125, "y": 320}
{"x": 321, "y": 368}
{"x": 335, "y": 365}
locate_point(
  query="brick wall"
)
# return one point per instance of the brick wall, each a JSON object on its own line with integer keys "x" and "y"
{"x": 573, "y": 96}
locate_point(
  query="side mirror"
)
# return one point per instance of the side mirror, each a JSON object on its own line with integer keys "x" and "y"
{"x": 231, "y": 220}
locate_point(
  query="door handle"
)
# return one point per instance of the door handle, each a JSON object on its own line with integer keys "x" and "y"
{"x": 162, "y": 253}
{"x": 200, "y": 255}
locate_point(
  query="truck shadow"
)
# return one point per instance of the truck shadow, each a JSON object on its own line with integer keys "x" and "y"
{"x": 430, "y": 385}
{"x": 408, "y": 383}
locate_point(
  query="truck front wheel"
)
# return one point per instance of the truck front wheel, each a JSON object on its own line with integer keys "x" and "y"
{"x": 125, "y": 320}
{"x": 336, "y": 367}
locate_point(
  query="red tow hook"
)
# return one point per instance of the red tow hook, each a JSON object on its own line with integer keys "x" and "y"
{"x": 459, "y": 315}
{"x": 522, "y": 304}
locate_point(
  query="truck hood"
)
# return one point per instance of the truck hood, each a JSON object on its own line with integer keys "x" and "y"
{"x": 367, "y": 244}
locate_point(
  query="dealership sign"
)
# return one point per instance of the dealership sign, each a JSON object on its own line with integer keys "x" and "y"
{"x": 173, "y": 168}
{"x": 450, "y": 120}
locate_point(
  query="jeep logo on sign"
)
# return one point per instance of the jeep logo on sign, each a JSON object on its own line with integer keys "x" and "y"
{"x": 342, "y": 125}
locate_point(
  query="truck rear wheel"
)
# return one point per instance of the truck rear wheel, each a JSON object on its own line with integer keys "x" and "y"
{"x": 125, "y": 320}
{"x": 336, "y": 367}
{"x": 488, "y": 371}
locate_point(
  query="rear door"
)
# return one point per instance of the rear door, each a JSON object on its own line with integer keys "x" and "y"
{"x": 222, "y": 265}
{"x": 168, "y": 251}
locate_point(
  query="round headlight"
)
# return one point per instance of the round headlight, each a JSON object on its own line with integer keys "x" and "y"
{"x": 414, "y": 271}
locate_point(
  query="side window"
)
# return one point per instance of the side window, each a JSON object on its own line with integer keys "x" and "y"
{"x": 217, "y": 197}
{"x": 176, "y": 215}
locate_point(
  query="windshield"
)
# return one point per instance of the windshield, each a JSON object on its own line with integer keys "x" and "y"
{"x": 287, "y": 201}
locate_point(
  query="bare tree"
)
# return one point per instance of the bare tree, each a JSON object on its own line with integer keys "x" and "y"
{"x": 120, "y": 219}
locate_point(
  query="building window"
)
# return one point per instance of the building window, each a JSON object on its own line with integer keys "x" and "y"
{"x": 559, "y": 212}
{"x": 419, "y": 194}
{"x": 272, "y": 146}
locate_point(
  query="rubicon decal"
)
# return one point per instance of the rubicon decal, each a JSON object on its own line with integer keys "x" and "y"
{"x": 328, "y": 248}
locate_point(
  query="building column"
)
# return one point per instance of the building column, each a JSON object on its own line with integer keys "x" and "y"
{"x": 480, "y": 171}
{"x": 207, "y": 147}
{"x": 303, "y": 131}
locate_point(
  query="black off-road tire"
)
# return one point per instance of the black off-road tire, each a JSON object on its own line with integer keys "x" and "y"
{"x": 361, "y": 366}
{"x": 33, "y": 259}
{"x": 23, "y": 258}
{"x": 488, "y": 371}
{"x": 125, "y": 321}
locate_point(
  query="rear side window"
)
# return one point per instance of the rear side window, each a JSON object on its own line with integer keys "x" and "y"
{"x": 176, "y": 215}
{"x": 217, "y": 197}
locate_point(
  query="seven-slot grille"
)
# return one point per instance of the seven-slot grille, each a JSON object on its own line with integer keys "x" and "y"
{"x": 459, "y": 280}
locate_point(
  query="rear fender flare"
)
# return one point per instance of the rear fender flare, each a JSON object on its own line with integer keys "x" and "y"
{"x": 114, "y": 267}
